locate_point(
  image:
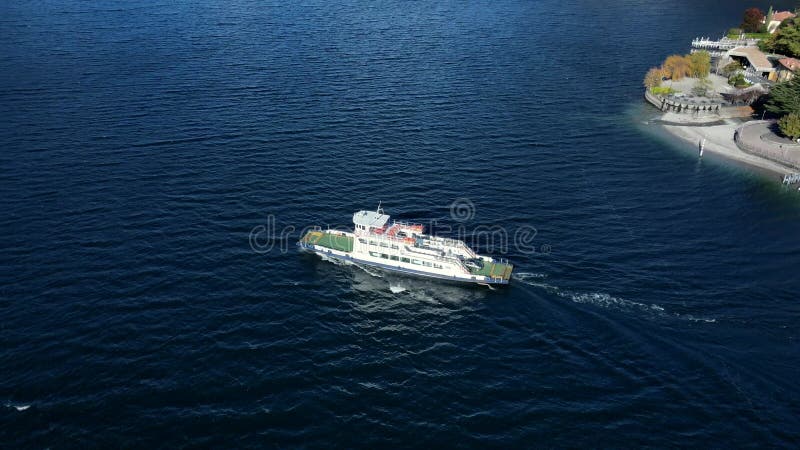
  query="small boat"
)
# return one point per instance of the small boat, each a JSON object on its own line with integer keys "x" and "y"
{"x": 404, "y": 247}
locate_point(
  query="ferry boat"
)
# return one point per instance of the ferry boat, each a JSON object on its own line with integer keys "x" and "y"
{"x": 404, "y": 247}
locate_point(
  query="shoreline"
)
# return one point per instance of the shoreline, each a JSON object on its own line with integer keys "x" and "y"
{"x": 719, "y": 141}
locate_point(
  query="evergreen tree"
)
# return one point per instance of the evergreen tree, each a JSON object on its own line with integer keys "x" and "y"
{"x": 784, "y": 98}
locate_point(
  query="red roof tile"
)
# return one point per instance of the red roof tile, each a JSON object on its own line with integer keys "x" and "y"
{"x": 790, "y": 63}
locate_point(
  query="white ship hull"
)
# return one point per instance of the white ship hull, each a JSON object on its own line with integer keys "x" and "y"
{"x": 400, "y": 267}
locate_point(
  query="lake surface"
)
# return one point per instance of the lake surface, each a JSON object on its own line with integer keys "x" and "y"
{"x": 144, "y": 145}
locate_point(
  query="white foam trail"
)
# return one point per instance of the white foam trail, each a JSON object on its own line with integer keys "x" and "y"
{"x": 608, "y": 301}
{"x": 368, "y": 271}
{"x": 529, "y": 275}
{"x": 700, "y": 319}
{"x": 337, "y": 261}
{"x": 604, "y": 300}
{"x": 18, "y": 407}
{"x": 396, "y": 289}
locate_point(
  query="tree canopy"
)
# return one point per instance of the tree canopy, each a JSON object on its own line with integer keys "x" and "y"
{"x": 785, "y": 41}
{"x": 653, "y": 77}
{"x": 700, "y": 64}
{"x": 790, "y": 125}
{"x": 751, "y": 22}
{"x": 677, "y": 67}
{"x": 784, "y": 98}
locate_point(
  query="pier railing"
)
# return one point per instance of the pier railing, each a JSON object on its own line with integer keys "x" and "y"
{"x": 723, "y": 44}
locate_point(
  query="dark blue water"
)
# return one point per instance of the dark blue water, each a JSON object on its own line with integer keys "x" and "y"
{"x": 142, "y": 142}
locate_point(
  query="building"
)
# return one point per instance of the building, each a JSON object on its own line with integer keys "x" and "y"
{"x": 754, "y": 61}
{"x": 787, "y": 68}
{"x": 776, "y": 19}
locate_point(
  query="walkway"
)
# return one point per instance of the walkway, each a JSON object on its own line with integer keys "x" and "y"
{"x": 758, "y": 137}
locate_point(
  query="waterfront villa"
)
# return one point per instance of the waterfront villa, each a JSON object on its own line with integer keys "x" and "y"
{"x": 777, "y": 18}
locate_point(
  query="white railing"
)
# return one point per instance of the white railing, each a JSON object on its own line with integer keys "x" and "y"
{"x": 723, "y": 43}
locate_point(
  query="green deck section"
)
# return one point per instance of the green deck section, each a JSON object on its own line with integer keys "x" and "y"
{"x": 329, "y": 240}
{"x": 494, "y": 270}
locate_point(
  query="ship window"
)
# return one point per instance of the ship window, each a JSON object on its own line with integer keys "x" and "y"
{"x": 395, "y": 247}
{"x": 384, "y": 244}
{"x": 373, "y": 243}
{"x": 375, "y": 254}
{"x": 427, "y": 264}
{"x": 394, "y": 258}
{"x": 384, "y": 256}
{"x": 437, "y": 266}
{"x": 363, "y": 241}
{"x": 405, "y": 260}
{"x": 416, "y": 261}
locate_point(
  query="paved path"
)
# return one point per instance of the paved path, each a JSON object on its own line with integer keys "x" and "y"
{"x": 758, "y": 138}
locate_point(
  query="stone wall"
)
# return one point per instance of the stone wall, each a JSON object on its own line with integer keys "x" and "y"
{"x": 710, "y": 110}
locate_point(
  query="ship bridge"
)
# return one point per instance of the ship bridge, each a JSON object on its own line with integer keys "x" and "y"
{"x": 367, "y": 220}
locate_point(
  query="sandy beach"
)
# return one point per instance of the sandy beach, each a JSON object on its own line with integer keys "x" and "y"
{"x": 719, "y": 140}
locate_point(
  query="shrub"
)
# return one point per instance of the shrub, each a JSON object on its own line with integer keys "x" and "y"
{"x": 731, "y": 68}
{"x": 701, "y": 87}
{"x": 663, "y": 90}
{"x": 737, "y": 80}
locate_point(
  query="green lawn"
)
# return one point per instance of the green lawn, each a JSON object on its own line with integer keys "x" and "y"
{"x": 749, "y": 35}
{"x": 663, "y": 90}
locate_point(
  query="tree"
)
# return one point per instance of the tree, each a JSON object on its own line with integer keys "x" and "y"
{"x": 700, "y": 64}
{"x": 785, "y": 41}
{"x": 677, "y": 67}
{"x": 784, "y": 98}
{"x": 653, "y": 77}
{"x": 751, "y": 22}
{"x": 790, "y": 126}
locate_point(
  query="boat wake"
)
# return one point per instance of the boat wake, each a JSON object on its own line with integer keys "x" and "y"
{"x": 396, "y": 289}
{"x": 369, "y": 271}
{"x": 603, "y": 299}
{"x": 18, "y": 407}
{"x": 337, "y": 261}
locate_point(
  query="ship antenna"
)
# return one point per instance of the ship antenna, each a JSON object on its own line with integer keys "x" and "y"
{"x": 379, "y": 211}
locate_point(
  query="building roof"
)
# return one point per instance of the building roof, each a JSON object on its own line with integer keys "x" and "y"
{"x": 370, "y": 219}
{"x": 792, "y": 64}
{"x": 755, "y": 57}
{"x": 780, "y": 16}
